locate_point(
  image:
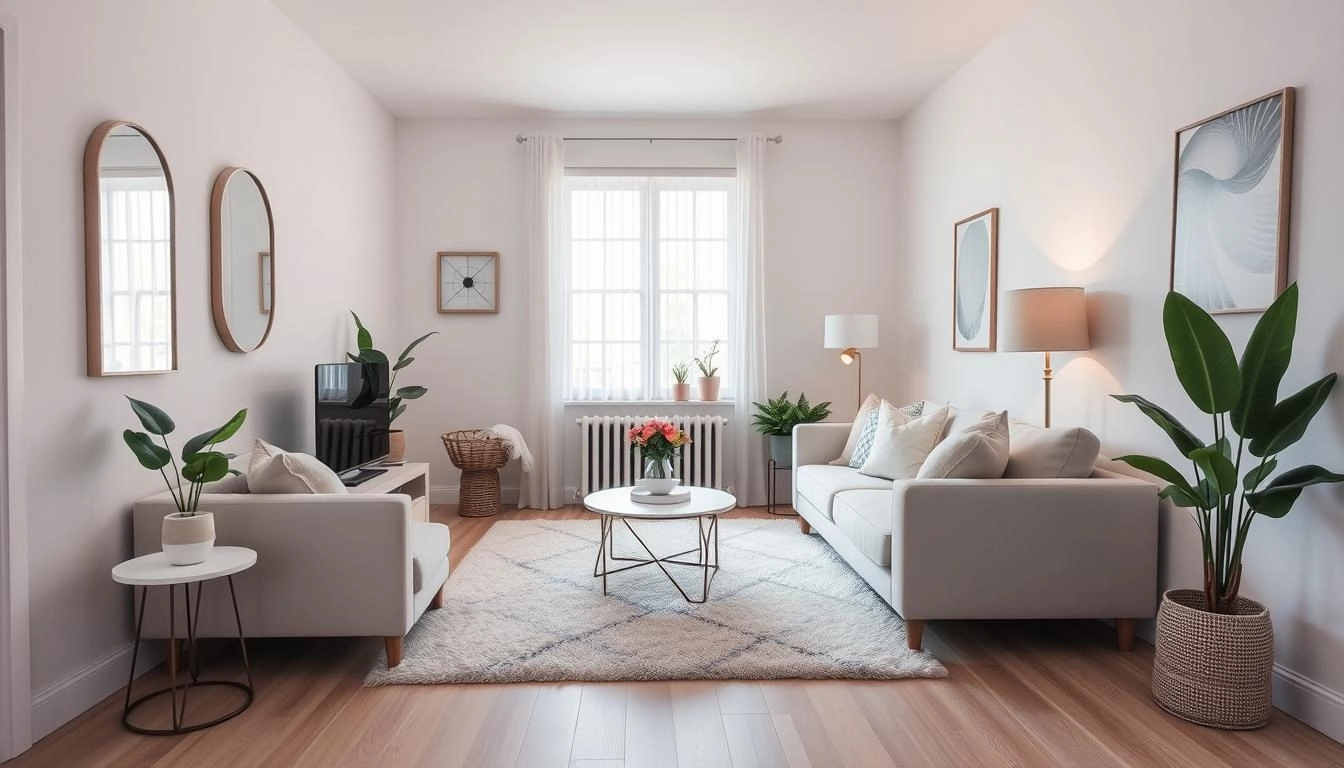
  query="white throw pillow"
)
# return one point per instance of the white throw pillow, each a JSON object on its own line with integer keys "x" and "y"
{"x": 860, "y": 442}
{"x": 959, "y": 419}
{"x": 900, "y": 449}
{"x": 980, "y": 451}
{"x": 273, "y": 470}
{"x": 1050, "y": 452}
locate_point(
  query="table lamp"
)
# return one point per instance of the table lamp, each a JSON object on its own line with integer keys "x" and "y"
{"x": 850, "y": 333}
{"x": 1045, "y": 320}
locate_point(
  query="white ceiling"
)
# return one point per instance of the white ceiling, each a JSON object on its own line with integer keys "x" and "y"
{"x": 780, "y": 58}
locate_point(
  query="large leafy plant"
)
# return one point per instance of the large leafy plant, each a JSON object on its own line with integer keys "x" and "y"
{"x": 201, "y": 463}
{"x": 778, "y": 416}
{"x": 369, "y": 354}
{"x": 1251, "y": 427}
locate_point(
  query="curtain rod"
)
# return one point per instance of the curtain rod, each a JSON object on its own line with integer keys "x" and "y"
{"x": 776, "y": 139}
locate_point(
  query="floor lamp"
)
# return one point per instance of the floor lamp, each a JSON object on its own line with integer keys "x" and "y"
{"x": 1045, "y": 320}
{"x": 850, "y": 333}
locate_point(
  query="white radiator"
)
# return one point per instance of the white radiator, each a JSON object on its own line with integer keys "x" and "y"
{"x": 606, "y": 460}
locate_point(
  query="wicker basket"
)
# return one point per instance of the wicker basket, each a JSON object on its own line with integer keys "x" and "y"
{"x": 479, "y": 456}
{"x": 1213, "y": 668}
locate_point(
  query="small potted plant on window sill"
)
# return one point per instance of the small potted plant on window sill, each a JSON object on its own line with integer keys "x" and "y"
{"x": 681, "y": 390}
{"x": 777, "y": 417}
{"x": 396, "y": 438}
{"x": 188, "y": 533}
{"x": 709, "y": 374}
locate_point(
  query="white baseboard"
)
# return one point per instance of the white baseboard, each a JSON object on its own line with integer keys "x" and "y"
{"x": 1309, "y": 701}
{"x": 448, "y": 494}
{"x": 65, "y": 699}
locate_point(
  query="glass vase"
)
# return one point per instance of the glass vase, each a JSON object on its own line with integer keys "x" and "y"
{"x": 658, "y": 477}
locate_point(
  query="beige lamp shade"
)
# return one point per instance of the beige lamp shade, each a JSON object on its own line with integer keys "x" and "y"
{"x": 1045, "y": 320}
{"x": 845, "y": 331}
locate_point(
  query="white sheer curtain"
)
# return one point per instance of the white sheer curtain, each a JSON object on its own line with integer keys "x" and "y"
{"x": 543, "y": 488}
{"x": 749, "y": 376}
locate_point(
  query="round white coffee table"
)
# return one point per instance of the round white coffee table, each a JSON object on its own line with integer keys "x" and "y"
{"x": 154, "y": 571}
{"x": 704, "y": 505}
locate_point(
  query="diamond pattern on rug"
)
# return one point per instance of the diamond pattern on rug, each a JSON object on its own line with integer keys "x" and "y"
{"x": 524, "y": 606}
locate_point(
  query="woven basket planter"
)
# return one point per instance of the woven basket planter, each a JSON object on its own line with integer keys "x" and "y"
{"x": 1213, "y": 668}
{"x": 479, "y": 457}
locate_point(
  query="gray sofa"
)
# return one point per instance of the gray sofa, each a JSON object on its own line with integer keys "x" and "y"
{"x": 984, "y": 549}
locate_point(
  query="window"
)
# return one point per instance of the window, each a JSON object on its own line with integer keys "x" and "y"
{"x": 137, "y": 326}
{"x": 650, "y": 281}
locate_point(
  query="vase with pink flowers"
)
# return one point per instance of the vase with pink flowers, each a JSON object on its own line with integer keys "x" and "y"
{"x": 658, "y": 442}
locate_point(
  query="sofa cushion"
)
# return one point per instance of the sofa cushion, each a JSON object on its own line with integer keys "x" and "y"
{"x": 869, "y": 405}
{"x": 900, "y": 449}
{"x": 818, "y": 483}
{"x": 861, "y": 433}
{"x": 864, "y": 517}
{"x": 429, "y": 547}
{"x": 959, "y": 419}
{"x": 980, "y": 451}
{"x": 274, "y": 470}
{"x": 1050, "y": 452}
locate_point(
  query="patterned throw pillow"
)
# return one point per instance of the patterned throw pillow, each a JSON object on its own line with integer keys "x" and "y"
{"x": 864, "y": 445}
{"x": 913, "y": 410}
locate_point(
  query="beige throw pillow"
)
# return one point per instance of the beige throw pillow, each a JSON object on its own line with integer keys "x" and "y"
{"x": 980, "y": 451}
{"x": 1050, "y": 452}
{"x": 273, "y": 470}
{"x": 899, "y": 449}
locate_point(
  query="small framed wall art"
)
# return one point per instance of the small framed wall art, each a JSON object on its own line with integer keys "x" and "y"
{"x": 468, "y": 282}
{"x": 1229, "y": 239}
{"x": 975, "y": 266}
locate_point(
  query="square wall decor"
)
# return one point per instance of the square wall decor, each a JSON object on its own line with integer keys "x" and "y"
{"x": 468, "y": 282}
{"x": 1229, "y": 244}
{"x": 975, "y": 256}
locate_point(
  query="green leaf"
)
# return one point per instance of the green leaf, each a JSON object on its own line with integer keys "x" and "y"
{"x": 363, "y": 339}
{"x": 371, "y": 356}
{"x": 1207, "y": 495}
{"x": 1277, "y": 499}
{"x": 354, "y": 358}
{"x": 155, "y": 421}
{"x": 403, "y": 363}
{"x": 1183, "y": 438}
{"x": 1181, "y": 497}
{"x": 218, "y": 435}
{"x": 1257, "y": 475}
{"x": 1201, "y": 354}
{"x": 206, "y": 467}
{"x": 1263, "y": 364}
{"x": 150, "y": 455}
{"x": 1218, "y": 469}
{"x": 1290, "y": 418}
{"x": 1158, "y": 467}
{"x": 411, "y": 393}
{"x": 397, "y": 412}
{"x": 405, "y": 353}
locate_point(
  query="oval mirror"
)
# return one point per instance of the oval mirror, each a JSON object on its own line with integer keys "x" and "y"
{"x": 242, "y": 264}
{"x": 130, "y": 270}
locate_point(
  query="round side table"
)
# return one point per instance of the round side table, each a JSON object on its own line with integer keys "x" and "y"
{"x": 155, "y": 571}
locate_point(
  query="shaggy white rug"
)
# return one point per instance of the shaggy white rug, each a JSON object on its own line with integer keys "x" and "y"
{"x": 524, "y": 607}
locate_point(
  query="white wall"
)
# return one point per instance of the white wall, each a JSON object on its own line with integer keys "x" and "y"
{"x": 1066, "y": 123}
{"x": 216, "y": 84}
{"x": 830, "y": 246}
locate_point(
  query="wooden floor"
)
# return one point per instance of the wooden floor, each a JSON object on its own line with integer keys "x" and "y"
{"x": 1019, "y": 694}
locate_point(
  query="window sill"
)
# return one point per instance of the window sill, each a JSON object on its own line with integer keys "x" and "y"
{"x": 626, "y": 403}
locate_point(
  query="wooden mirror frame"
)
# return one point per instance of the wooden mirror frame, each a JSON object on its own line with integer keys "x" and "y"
{"x": 93, "y": 249}
{"x": 217, "y": 258}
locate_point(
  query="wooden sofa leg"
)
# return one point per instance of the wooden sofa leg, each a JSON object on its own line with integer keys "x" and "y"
{"x": 393, "y": 645}
{"x": 1124, "y": 634}
{"x": 437, "y": 602}
{"x": 914, "y": 633}
{"x": 803, "y": 525}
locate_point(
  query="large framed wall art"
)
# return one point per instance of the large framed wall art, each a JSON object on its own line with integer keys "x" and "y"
{"x": 975, "y": 256}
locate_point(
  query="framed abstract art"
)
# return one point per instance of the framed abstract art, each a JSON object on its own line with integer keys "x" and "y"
{"x": 975, "y": 256}
{"x": 1229, "y": 243}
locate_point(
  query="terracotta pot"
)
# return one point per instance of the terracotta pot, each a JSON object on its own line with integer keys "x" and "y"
{"x": 709, "y": 388}
{"x": 681, "y": 391}
{"x": 188, "y": 539}
{"x": 1213, "y": 668}
{"x": 396, "y": 445}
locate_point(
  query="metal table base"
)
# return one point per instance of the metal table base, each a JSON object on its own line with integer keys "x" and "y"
{"x": 706, "y": 549}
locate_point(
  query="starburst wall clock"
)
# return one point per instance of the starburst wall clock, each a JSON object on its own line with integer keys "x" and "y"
{"x": 468, "y": 282}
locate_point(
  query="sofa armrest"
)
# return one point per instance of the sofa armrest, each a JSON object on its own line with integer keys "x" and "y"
{"x": 1024, "y": 548}
{"x": 335, "y": 565}
{"x": 818, "y": 443}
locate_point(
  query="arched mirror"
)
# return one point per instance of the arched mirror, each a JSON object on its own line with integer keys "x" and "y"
{"x": 242, "y": 263}
{"x": 130, "y": 270}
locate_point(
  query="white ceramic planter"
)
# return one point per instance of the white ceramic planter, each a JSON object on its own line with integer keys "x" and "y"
{"x": 188, "y": 539}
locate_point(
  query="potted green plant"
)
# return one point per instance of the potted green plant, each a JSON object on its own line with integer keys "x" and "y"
{"x": 396, "y": 438}
{"x": 681, "y": 390}
{"x": 1215, "y": 648}
{"x": 709, "y": 374}
{"x": 188, "y": 534}
{"x": 777, "y": 417}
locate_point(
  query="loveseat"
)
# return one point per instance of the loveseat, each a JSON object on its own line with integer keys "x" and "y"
{"x": 985, "y": 548}
{"x": 328, "y": 565}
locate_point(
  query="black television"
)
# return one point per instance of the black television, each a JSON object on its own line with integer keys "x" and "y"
{"x": 352, "y": 417}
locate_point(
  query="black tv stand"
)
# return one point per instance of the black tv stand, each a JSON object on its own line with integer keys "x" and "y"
{"x": 353, "y": 477}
